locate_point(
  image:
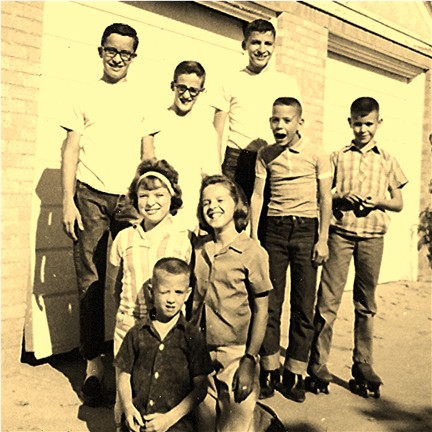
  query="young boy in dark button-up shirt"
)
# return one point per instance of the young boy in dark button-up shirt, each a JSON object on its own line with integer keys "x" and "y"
{"x": 163, "y": 360}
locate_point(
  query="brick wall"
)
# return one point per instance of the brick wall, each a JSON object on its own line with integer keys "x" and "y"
{"x": 302, "y": 53}
{"x": 21, "y": 54}
{"x": 424, "y": 269}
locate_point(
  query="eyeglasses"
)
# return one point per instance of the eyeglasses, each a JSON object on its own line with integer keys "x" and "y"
{"x": 111, "y": 52}
{"x": 194, "y": 92}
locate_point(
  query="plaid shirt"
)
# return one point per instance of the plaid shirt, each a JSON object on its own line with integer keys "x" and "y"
{"x": 368, "y": 171}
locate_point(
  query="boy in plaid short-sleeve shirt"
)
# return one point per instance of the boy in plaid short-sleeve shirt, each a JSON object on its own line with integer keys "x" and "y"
{"x": 367, "y": 182}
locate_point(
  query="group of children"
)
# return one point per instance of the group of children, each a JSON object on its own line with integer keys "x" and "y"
{"x": 226, "y": 340}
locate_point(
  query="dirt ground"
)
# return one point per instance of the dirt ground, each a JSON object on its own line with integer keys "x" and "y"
{"x": 44, "y": 397}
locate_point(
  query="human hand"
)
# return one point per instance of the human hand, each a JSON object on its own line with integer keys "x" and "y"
{"x": 352, "y": 198}
{"x": 71, "y": 215}
{"x": 133, "y": 417}
{"x": 320, "y": 252}
{"x": 243, "y": 380}
{"x": 158, "y": 422}
{"x": 370, "y": 202}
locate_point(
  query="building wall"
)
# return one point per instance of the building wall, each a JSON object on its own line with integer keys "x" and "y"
{"x": 303, "y": 40}
{"x": 21, "y": 35}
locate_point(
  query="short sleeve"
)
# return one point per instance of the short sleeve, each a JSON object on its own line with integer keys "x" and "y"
{"x": 72, "y": 116}
{"x": 125, "y": 358}
{"x": 258, "y": 269}
{"x": 397, "y": 178}
{"x": 115, "y": 256}
{"x": 324, "y": 169}
{"x": 153, "y": 121}
{"x": 260, "y": 166}
{"x": 220, "y": 97}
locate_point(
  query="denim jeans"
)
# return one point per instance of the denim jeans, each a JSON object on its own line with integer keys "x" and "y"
{"x": 367, "y": 253}
{"x": 239, "y": 165}
{"x": 290, "y": 240}
{"x": 101, "y": 214}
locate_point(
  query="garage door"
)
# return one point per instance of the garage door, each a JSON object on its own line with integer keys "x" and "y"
{"x": 169, "y": 32}
{"x": 401, "y": 105}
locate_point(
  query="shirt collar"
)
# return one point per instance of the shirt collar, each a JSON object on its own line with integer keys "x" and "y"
{"x": 297, "y": 147}
{"x": 369, "y": 147}
{"x": 162, "y": 226}
{"x": 146, "y": 322}
{"x": 240, "y": 243}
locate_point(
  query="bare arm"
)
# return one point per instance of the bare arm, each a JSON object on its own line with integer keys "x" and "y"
{"x": 159, "y": 422}
{"x": 256, "y": 205}
{"x": 147, "y": 147}
{"x": 244, "y": 376}
{"x": 70, "y": 157}
{"x": 133, "y": 416}
{"x": 325, "y": 208}
{"x": 219, "y": 124}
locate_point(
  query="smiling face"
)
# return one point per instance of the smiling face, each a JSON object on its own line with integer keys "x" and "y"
{"x": 260, "y": 47}
{"x": 153, "y": 204}
{"x": 170, "y": 291}
{"x": 364, "y": 127}
{"x": 218, "y": 207}
{"x": 184, "y": 100}
{"x": 114, "y": 68}
{"x": 285, "y": 122}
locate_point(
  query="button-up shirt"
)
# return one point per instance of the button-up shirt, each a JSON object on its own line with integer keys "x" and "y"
{"x": 368, "y": 171}
{"x": 162, "y": 371}
{"x": 225, "y": 282}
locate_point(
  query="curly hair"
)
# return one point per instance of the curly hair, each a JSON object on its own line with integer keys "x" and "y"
{"x": 153, "y": 182}
{"x": 241, "y": 211}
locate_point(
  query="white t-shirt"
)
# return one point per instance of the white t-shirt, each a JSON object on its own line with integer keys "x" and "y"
{"x": 248, "y": 98}
{"x": 109, "y": 118}
{"x": 189, "y": 144}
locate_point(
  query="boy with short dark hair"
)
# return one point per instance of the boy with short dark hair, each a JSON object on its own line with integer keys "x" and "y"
{"x": 164, "y": 360}
{"x": 244, "y": 98}
{"x": 101, "y": 150}
{"x": 299, "y": 174}
{"x": 184, "y": 136}
{"x": 367, "y": 183}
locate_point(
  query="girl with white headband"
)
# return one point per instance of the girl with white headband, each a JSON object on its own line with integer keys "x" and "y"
{"x": 155, "y": 193}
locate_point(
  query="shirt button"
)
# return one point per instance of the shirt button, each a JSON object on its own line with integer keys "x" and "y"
{"x": 161, "y": 347}
{"x": 151, "y": 402}
{"x": 156, "y": 375}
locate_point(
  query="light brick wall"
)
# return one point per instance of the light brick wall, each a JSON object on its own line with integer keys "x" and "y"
{"x": 302, "y": 53}
{"x": 424, "y": 269}
{"x": 21, "y": 53}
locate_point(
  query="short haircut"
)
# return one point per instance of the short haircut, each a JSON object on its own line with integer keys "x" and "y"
{"x": 290, "y": 101}
{"x": 190, "y": 67}
{"x": 121, "y": 29}
{"x": 172, "y": 265}
{"x": 151, "y": 183}
{"x": 241, "y": 211}
{"x": 259, "y": 25}
{"x": 364, "y": 105}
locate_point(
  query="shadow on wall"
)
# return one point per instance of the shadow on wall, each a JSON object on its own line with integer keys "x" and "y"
{"x": 52, "y": 321}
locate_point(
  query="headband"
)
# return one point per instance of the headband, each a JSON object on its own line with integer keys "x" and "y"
{"x": 160, "y": 177}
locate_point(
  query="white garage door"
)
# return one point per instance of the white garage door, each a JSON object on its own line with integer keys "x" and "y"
{"x": 169, "y": 32}
{"x": 400, "y": 133}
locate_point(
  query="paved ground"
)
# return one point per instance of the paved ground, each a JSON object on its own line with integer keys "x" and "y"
{"x": 44, "y": 397}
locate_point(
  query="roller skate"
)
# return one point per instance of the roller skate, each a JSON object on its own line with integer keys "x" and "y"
{"x": 319, "y": 379}
{"x": 365, "y": 380}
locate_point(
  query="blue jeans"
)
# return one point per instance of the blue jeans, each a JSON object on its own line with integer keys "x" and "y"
{"x": 101, "y": 214}
{"x": 367, "y": 253}
{"x": 290, "y": 240}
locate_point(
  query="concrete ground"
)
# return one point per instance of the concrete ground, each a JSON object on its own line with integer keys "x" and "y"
{"x": 44, "y": 397}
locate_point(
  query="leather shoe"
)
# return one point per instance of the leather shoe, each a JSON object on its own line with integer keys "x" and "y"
{"x": 268, "y": 382}
{"x": 91, "y": 392}
{"x": 292, "y": 386}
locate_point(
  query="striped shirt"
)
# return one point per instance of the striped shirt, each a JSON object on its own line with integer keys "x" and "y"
{"x": 368, "y": 171}
{"x": 293, "y": 173}
{"x": 138, "y": 251}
